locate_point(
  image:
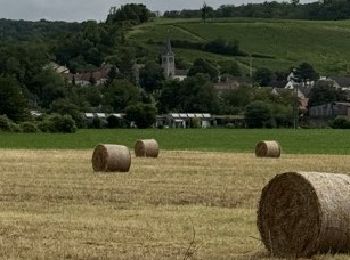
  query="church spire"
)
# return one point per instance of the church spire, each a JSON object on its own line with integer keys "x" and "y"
{"x": 168, "y": 49}
{"x": 168, "y": 61}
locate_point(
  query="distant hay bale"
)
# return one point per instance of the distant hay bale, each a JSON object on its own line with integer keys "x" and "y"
{"x": 268, "y": 149}
{"x": 304, "y": 213}
{"x": 147, "y": 148}
{"x": 111, "y": 158}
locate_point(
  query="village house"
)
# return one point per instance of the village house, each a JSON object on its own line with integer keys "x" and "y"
{"x": 230, "y": 84}
{"x": 293, "y": 82}
{"x": 57, "y": 68}
{"x": 96, "y": 77}
{"x": 337, "y": 82}
{"x": 225, "y": 86}
{"x": 342, "y": 81}
{"x": 303, "y": 100}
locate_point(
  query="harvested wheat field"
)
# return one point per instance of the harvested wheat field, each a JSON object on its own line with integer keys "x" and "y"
{"x": 185, "y": 205}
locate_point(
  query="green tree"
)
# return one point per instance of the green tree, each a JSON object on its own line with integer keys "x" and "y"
{"x": 126, "y": 63}
{"x": 60, "y": 123}
{"x": 205, "y": 67}
{"x": 94, "y": 56}
{"x": 66, "y": 107}
{"x": 48, "y": 86}
{"x": 112, "y": 75}
{"x": 305, "y": 71}
{"x": 340, "y": 123}
{"x": 14, "y": 67}
{"x": 120, "y": 94}
{"x": 195, "y": 94}
{"x": 170, "y": 99}
{"x": 282, "y": 115}
{"x": 132, "y": 13}
{"x": 93, "y": 96}
{"x": 295, "y": 2}
{"x": 236, "y": 100}
{"x": 230, "y": 67}
{"x": 114, "y": 122}
{"x": 5, "y": 123}
{"x": 12, "y": 101}
{"x": 198, "y": 95}
{"x": 151, "y": 77}
{"x": 263, "y": 76}
{"x": 257, "y": 114}
{"x": 144, "y": 115}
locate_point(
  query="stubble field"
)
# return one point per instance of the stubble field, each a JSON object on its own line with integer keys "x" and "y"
{"x": 183, "y": 205}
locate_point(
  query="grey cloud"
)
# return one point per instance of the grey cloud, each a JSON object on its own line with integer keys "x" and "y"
{"x": 81, "y": 10}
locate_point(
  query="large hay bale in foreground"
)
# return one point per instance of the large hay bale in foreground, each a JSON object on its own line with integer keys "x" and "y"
{"x": 268, "y": 149}
{"x": 303, "y": 213}
{"x": 111, "y": 158}
{"x": 147, "y": 148}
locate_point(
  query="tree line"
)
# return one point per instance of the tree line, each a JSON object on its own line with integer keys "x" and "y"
{"x": 320, "y": 10}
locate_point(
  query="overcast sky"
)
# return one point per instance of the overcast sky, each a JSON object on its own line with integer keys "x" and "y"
{"x": 82, "y": 10}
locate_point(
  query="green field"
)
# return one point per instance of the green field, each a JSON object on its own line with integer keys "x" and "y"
{"x": 217, "y": 140}
{"x": 290, "y": 42}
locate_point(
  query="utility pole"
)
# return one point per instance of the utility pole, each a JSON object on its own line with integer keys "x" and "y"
{"x": 296, "y": 108}
{"x": 204, "y": 12}
{"x": 295, "y": 81}
{"x": 251, "y": 69}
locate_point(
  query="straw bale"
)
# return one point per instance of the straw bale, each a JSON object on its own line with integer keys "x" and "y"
{"x": 268, "y": 149}
{"x": 111, "y": 158}
{"x": 147, "y": 148}
{"x": 304, "y": 213}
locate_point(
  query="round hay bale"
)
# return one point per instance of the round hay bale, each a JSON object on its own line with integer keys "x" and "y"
{"x": 268, "y": 149}
{"x": 111, "y": 158}
{"x": 304, "y": 213}
{"x": 147, "y": 148}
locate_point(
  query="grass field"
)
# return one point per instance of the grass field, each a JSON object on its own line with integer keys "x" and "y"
{"x": 323, "y": 44}
{"x": 183, "y": 205}
{"x": 216, "y": 140}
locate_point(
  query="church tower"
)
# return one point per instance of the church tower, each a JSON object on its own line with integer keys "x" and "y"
{"x": 168, "y": 61}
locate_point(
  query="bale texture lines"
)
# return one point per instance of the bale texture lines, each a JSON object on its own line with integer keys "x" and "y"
{"x": 304, "y": 213}
{"x": 147, "y": 148}
{"x": 111, "y": 158}
{"x": 268, "y": 149}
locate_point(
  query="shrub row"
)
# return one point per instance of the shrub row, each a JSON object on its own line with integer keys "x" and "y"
{"x": 340, "y": 123}
{"x": 218, "y": 46}
{"x": 50, "y": 124}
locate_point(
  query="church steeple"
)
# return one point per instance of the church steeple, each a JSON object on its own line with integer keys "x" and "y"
{"x": 168, "y": 60}
{"x": 168, "y": 50}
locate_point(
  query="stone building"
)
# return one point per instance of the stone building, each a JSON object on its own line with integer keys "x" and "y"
{"x": 168, "y": 64}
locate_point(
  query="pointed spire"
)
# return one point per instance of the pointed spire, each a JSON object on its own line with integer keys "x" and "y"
{"x": 168, "y": 49}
